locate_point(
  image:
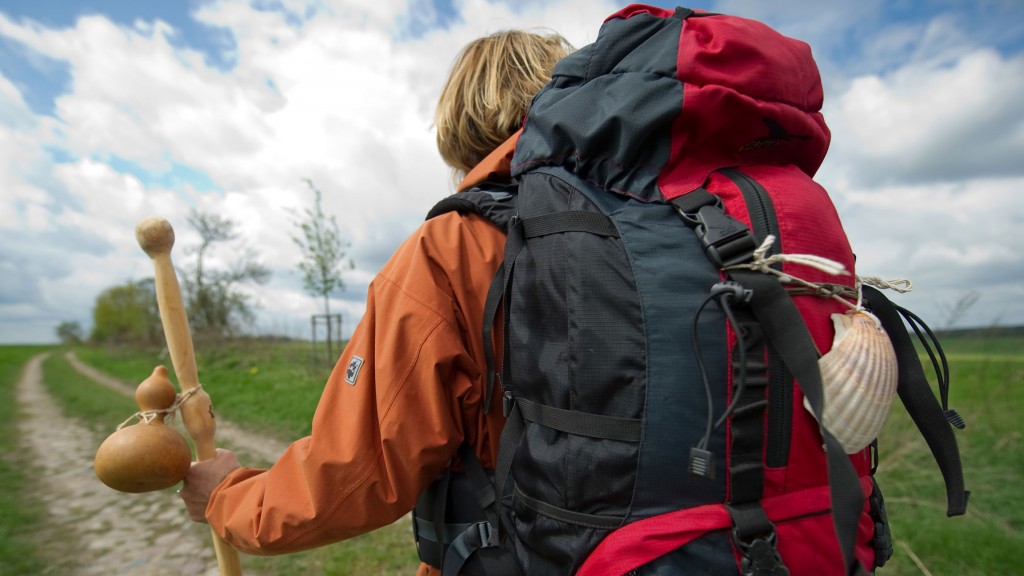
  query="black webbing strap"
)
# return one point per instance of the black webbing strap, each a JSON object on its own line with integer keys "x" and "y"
{"x": 746, "y": 462}
{"x": 511, "y": 436}
{"x": 694, "y": 200}
{"x": 920, "y": 402}
{"x": 512, "y": 433}
{"x": 475, "y": 537}
{"x": 750, "y": 521}
{"x": 569, "y": 221}
{"x": 494, "y": 294}
{"x": 753, "y": 533}
{"x": 458, "y": 541}
{"x": 785, "y": 329}
{"x": 426, "y": 530}
{"x": 581, "y": 423}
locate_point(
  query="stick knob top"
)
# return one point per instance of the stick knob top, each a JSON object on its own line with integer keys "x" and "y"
{"x": 155, "y": 236}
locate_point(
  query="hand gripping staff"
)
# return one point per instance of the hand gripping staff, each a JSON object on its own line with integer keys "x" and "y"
{"x": 156, "y": 237}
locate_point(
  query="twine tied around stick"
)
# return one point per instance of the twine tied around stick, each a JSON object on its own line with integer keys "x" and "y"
{"x": 147, "y": 416}
{"x": 760, "y": 263}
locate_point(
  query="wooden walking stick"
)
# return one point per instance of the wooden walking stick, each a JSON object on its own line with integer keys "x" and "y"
{"x": 156, "y": 237}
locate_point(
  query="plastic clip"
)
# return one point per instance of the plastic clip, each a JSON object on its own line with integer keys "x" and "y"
{"x": 482, "y": 532}
{"x": 726, "y": 241}
{"x": 761, "y": 558}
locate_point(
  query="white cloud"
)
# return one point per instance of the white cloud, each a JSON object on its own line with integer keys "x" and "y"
{"x": 925, "y": 169}
{"x": 947, "y": 239}
{"x": 339, "y": 94}
{"x": 934, "y": 121}
{"x": 344, "y": 95}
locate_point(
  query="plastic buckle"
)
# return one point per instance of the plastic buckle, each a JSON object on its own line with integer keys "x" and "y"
{"x": 761, "y": 557}
{"x": 882, "y": 540}
{"x": 726, "y": 241}
{"x": 507, "y": 402}
{"x": 483, "y": 531}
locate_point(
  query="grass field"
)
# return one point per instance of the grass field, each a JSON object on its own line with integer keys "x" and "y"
{"x": 988, "y": 391}
{"x": 20, "y": 538}
{"x": 274, "y": 388}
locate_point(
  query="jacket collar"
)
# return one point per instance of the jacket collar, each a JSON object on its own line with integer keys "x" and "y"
{"x": 496, "y": 166}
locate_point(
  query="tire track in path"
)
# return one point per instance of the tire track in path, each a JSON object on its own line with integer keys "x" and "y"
{"x": 96, "y": 530}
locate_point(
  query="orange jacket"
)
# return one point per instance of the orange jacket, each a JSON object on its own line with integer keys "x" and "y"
{"x": 404, "y": 395}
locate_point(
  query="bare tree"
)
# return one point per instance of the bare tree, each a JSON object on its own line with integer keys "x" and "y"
{"x": 215, "y": 304}
{"x": 956, "y": 311}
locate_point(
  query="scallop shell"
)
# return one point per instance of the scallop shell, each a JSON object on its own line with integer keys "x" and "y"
{"x": 859, "y": 376}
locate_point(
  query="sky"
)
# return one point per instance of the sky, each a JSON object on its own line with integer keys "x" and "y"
{"x": 115, "y": 110}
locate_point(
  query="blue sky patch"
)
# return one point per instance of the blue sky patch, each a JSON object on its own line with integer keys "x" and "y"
{"x": 60, "y": 155}
{"x": 40, "y": 79}
{"x": 434, "y": 15}
{"x": 174, "y": 179}
{"x": 216, "y": 44}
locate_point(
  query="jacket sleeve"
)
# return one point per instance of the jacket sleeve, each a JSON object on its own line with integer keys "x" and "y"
{"x": 392, "y": 414}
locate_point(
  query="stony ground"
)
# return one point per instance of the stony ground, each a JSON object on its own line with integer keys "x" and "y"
{"x": 96, "y": 530}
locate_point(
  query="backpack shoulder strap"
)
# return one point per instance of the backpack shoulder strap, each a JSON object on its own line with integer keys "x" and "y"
{"x": 493, "y": 201}
{"x": 498, "y": 203}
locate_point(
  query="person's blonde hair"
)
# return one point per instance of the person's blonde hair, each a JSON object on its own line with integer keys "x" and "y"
{"x": 489, "y": 90}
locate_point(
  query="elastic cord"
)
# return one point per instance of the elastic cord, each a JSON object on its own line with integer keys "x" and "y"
{"x": 723, "y": 301}
{"x": 695, "y": 335}
{"x": 941, "y": 373}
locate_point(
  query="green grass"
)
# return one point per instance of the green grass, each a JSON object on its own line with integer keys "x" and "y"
{"x": 99, "y": 408}
{"x": 988, "y": 390}
{"x": 387, "y": 551}
{"x": 20, "y": 512}
{"x": 273, "y": 386}
{"x": 270, "y": 386}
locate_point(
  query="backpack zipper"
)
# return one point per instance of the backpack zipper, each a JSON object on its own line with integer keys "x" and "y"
{"x": 780, "y": 384}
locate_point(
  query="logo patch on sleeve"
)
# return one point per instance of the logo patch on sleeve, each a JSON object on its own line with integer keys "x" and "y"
{"x": 354, "y": 366}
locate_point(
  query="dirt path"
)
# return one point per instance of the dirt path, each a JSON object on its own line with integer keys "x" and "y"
{"x": 98, "y": 530}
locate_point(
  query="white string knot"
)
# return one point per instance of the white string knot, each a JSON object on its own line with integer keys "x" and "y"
{"x": 147, "y": 416}
{"x": 762, "y": 264}
{"x": 901, "y": 285}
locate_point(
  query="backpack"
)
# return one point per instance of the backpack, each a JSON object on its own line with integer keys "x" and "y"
{"x": 670, "y": 279}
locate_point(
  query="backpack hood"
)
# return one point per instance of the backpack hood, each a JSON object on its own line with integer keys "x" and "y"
{"x": 662, "y": 98}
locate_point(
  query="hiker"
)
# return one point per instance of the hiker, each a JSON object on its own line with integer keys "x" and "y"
{"x": 409, "y": 388}
{"x": 677, "y": 296}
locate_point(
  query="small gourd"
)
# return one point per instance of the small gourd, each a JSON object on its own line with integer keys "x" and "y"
{"x": 148, "y": 455}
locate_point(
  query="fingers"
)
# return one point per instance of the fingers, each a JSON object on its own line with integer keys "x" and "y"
{"x": 195, "y": 505}
{"x": 201, "y": 480}
{"x": 227, "y": 459}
